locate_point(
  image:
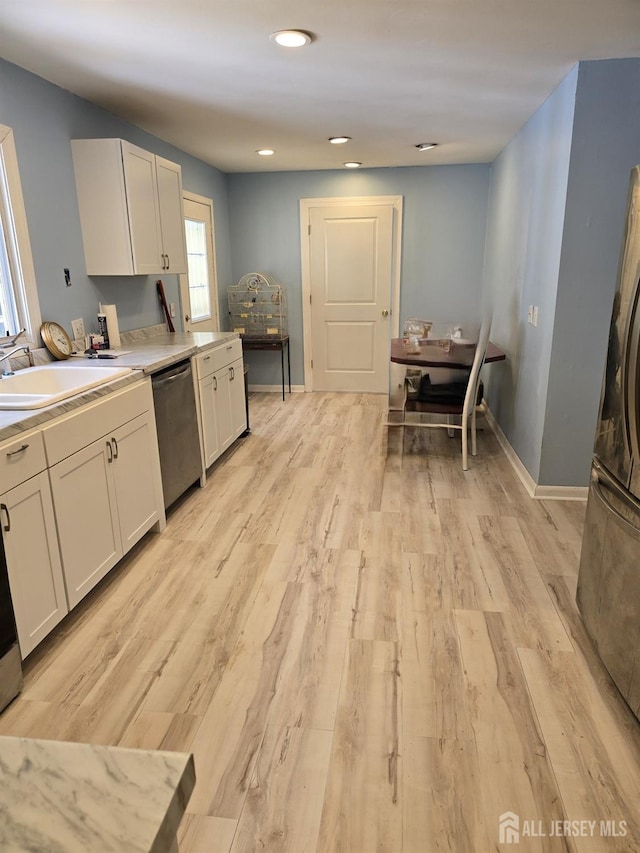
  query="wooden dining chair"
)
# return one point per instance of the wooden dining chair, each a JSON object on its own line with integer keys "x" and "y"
{"x": 460, "y": 398}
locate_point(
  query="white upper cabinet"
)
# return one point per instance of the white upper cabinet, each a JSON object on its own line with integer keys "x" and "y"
{"x": 131, "y": 212}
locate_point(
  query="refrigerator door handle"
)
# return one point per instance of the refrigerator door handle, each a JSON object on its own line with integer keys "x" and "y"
{"x": 631, "y": 374}
{"x": 598, "y": 475}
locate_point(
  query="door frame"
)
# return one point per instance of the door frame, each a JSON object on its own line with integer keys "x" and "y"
{"x": 306, "y": 205}
{"x": 213, "y": 286}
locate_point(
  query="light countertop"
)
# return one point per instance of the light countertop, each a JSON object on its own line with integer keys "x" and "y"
{"x": 145, "y": 355}
{"x": 151, "y": 354}
{"x": 76, "y": 797}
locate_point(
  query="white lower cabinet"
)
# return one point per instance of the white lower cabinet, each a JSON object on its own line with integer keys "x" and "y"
{"x": 33, "y": 560}
{"x": 105, "y": 498}
{"x": 86, "y": 512}
{"x": 207, "y": 393}
{"x": 221, "y": 398}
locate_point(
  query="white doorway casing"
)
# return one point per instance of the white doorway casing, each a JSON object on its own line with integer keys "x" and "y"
{"x": 200, "y": 209}
{"x": 373, "y": 225}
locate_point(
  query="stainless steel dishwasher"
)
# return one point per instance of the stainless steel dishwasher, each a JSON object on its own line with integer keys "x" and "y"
{"x": 177, "y": 425}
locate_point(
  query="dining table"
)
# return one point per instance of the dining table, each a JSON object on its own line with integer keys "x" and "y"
{"x": 431, "y": 353}
{"x": 445, "y": 352}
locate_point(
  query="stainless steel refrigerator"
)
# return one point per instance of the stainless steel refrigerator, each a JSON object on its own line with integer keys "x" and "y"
{"x": 609, "y": 581}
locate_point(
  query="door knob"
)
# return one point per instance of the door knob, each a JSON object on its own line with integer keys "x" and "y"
{"x": 385, "y": 313}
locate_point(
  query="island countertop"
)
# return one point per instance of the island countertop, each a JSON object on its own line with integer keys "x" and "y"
{"x": 76, "y": 797}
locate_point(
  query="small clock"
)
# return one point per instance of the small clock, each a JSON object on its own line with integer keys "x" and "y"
{"x": 56, "y": 340}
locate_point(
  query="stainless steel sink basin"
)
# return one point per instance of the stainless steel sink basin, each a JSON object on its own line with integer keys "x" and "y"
{"x": 35, "y": 387}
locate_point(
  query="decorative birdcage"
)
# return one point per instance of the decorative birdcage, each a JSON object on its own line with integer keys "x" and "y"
{"x": 258, "y": 307}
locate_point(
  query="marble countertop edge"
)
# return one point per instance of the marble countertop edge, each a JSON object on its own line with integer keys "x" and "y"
{"x": 68, "y": 797}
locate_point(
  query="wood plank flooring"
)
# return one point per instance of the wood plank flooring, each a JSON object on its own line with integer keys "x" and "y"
{"x": 365, "y": 650}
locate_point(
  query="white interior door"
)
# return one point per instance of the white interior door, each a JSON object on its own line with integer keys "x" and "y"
{"x": 353, "y": 264}
{"x": 199, "y": 287}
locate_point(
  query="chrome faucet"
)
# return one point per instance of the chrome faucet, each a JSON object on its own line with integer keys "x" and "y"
{"x": 15, "y": 351}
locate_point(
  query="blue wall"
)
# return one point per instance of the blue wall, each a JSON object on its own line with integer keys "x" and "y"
{"x": 44, "y": 118}
{"x": 555, "y": 224}
{"x": 444, "y": 213}
{"x": 605, "y": 147}
{"x": 524, "y": 239}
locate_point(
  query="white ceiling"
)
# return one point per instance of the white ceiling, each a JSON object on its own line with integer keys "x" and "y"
{"x": 203, "y": 74}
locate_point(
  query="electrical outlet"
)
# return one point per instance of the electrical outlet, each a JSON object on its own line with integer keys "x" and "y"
{"x": 172, "y": 309}
{"x": 77, "y": 327}
{"x": 534, "y": 318}
{"x": 530, "y": 314}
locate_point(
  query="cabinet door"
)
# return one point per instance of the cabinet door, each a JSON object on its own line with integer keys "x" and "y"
{"x": 134, "y": 474}
{"x": 223, "y": 408}
{"x": 86, "y": 514}
{"x": 237, "y": 399}
{"x": 209, "y": 416}
{"x": 169, "y": 178}
{"x": 33, "y": 560}
{"x": 143, "y": 208}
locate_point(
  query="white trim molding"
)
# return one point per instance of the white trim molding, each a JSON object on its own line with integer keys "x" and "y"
{"x": 548, "y": 493}
{"x": 18, "y": 243}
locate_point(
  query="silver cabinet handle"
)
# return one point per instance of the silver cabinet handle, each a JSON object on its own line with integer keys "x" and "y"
{"x": 115, "y": 448}
{"x": 4, "y": 508}
{"x": 168, "y": 261}
{"x": 232, "y": 374}
{"x": 109, "y": 452}
{"x": 21, "y": 449}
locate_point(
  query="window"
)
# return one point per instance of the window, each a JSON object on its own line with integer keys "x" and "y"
{"x": 19, "y": 307}
{"x": 198, "y": 267}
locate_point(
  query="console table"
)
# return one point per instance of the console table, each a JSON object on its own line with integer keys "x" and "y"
{"x": 254, "y": 342}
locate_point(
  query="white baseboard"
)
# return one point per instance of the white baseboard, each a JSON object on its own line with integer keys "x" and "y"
{"x": 295, "y": 389}
{"x": 547, "y": 493}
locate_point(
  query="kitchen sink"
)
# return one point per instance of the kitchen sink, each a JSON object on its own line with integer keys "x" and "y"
{"x": 35, "y": 387}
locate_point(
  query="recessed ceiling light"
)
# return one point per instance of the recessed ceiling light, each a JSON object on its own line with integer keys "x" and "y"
{"x": 265, "y": 152}
{"x": 291, "y": 38}
{"x": 353, "y": 165}
{"x": 425, "y": 146}
{"x": 339, "y": 140}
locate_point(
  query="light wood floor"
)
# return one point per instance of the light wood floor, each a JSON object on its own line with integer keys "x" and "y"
{"x": 365, "y": 652}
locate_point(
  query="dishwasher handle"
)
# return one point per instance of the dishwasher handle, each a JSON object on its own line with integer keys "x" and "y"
{"x": 168, "y": 378}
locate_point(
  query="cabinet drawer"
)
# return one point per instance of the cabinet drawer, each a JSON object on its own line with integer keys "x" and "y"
{"x": 21, "y": 459}
{"x": 83, "y": 426}
{"x": 213, "y": 359}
